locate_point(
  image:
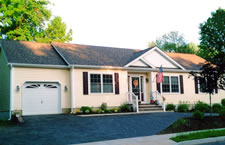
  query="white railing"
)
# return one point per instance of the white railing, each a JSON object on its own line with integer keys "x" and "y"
{"x": 156, "y": 96}
{"x": 133, "y": 99}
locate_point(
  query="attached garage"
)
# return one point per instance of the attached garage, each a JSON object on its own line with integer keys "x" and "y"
{"x": 41, "y": 98}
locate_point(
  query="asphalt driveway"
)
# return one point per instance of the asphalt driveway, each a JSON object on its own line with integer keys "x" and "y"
{"x": 71, "y": 129}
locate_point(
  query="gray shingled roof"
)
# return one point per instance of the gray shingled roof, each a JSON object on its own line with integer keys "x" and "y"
{"x": 30, "y": 53}
{"x": 96, "y": 55}
{"x": 76, "y": 54}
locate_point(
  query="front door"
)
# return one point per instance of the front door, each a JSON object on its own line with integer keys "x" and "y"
{"x": 137, "y": 87}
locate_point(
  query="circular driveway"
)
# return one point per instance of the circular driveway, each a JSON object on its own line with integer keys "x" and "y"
{"x": 72, "y": 129}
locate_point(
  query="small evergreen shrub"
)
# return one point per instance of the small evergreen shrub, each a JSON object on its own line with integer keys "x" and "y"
{"x": 126, "y": 108}
{"x": 198, "y": 115}
{"x": 222, "y": 113}
{"x": 86, "y": 109}
{"x": 223, "y": 102}
{"x": 203, "y": 107}
{"x": 170, "y": 107}
{"x": 183, "y": 108}
{"x": 216, "y": 107}
{"x": 103, "y": 106}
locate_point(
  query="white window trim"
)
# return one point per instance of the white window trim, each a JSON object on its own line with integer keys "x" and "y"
{"x": 171, "y": 85}
{"x": 101, "y": 77}
{"x": 199, "y": 90}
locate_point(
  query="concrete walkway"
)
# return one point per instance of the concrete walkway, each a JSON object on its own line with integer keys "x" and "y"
{"x": 148, "y": 140}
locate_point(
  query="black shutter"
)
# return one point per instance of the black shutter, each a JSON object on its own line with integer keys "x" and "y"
{"x": 158, "y": 86}
{"x": 85, "y": 83}
{"x": 117, "y": 88}
{"x": 196, "y": 85}
{"x": 181, "y": 84}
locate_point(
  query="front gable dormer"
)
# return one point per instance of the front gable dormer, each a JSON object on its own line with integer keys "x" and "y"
{"x": 154, "y": 58}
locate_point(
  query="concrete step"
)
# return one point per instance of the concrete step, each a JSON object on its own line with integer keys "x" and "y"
{"x": 150, "y": 109}
{"x": 149, "y": 106}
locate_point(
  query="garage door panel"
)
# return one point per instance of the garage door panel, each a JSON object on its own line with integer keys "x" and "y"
{"x": 41, "y": 98}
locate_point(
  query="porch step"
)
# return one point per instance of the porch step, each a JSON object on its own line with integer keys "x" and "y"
{"x": 150, "y": 107}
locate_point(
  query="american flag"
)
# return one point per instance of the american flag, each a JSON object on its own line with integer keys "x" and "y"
{"x": 159, "y": 78}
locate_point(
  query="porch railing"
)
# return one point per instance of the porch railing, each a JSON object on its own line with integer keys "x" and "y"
{"x": 133, "y": 100}
{"x": 160, "y": 98}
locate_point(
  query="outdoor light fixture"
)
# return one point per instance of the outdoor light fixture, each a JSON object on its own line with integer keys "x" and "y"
{"x": 17, "y": 88}
{"x": 65, "y": 88}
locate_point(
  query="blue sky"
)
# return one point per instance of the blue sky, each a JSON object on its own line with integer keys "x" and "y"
{"x": 132, "y": 23}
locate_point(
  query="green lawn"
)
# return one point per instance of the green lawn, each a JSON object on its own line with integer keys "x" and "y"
{"x": 198, "y": 135}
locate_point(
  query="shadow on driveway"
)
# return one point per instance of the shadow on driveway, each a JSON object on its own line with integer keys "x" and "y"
{"x": 71, "y": 129}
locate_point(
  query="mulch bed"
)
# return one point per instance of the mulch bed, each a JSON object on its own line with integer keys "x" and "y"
{"x": 191, "y": 124}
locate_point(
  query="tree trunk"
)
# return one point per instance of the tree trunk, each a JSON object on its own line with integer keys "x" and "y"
{"x": 210, "y": 103}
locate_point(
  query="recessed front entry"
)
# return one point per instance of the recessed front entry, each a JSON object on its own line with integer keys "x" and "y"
{"x": 137, "y": 87}
{"x": 41, "y": 98}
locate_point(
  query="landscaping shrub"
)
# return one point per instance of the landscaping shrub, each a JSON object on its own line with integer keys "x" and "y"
{"x": 99, "y": 111}
{"x": 86, "y": 109}
{"x": 170, "y": 107}
{"x": 222, "y": 113}
{"x": 223, "y": 102}
{"x": 183, "y": 108}
{"x": 216, "y": 107}
{"x": 114, "y": 110}
{"x": 103, "y": 106}
{"x": 126, "y": 108}
{"x": 203, "y": 107}
{"x": 198, "y": 115}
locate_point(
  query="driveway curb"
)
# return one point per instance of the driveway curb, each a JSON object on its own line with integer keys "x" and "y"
{"x": 201, "y": 141}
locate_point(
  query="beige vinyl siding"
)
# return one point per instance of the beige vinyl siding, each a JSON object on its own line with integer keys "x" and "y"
{"x": 189, "y": 91}
{"x": 4, "y": 84}
{"x": 61, "y": 76}
{"x": 95, "y": 100}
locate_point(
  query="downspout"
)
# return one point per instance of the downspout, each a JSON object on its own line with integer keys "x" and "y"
{"x": 72, "y": 88}
{"x": 11, "y": 91}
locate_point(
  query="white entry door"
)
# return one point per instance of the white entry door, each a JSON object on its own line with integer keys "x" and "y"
{"x": 41, "y": 98}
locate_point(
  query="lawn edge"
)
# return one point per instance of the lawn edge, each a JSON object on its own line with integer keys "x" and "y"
{"x": 201, "y": 141}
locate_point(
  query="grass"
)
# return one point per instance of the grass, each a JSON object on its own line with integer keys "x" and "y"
{"x": 198, "y": 135}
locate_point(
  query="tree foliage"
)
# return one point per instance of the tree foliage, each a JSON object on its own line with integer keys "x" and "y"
{"x": 175, "y": 42}
{"x": 26, "y": 20}
{"x": 56, "y": 31}
{"x": 212, "y": 43}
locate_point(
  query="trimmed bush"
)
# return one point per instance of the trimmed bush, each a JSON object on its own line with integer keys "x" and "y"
{"x": 98, "y": 111}
{"x": 222, "y": 113}
{"x": 203, "y": 107}
{"x": 198, "y": 115}
{"x": 170, "y": 107}
{"x": 183, "y": 108}
{"x": 114, "y": 110}
{"x": 103, "y": 106}
{"x": 216, "y": 107}
{"x": 223, "y": 102}
{"x": 126, "y": 108}
{"x": 85, "y": 109}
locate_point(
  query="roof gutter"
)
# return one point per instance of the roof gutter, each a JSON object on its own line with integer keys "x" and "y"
{"x": 37, "y": 65}
{"x": 134, "y": 69}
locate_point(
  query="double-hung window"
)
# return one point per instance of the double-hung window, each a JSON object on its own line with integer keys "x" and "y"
{"x": 101, "y": 83}
{"x": 170, "y": 84}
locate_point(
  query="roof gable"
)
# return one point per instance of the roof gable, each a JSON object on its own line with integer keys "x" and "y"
{"x": 155, "y": 58}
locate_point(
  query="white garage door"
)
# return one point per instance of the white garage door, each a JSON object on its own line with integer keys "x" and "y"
{"x": 41, "y": 98}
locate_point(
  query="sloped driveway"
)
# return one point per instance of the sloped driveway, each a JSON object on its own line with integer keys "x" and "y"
{"x": 71, "y": 129}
